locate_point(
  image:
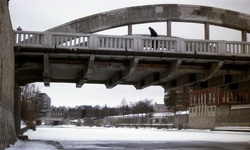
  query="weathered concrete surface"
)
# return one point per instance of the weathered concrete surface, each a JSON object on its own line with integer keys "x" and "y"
{"x": 232, "y": 117}
{"x": 17, "y": 109}
{"x": 201, "y": 122}
{"x": 7, "y": 123}
{"x": 224, "y": 117}
{"x": 154, "y": 13}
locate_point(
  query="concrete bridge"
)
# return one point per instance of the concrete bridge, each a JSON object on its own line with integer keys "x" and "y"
{"x": 69, "y": 53}
{"x": 72, "y": 53}
{"x": 132, "y": 60}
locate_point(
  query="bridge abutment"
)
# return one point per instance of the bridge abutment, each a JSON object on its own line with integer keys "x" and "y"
{"x": 7, "y": 123}
{"x": 17, "y": 108}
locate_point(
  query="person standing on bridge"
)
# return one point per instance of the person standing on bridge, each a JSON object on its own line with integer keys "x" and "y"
{"x": 153, "y": 34}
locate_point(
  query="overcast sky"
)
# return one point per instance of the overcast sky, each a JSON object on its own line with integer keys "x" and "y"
{"x": 40, "y": 15}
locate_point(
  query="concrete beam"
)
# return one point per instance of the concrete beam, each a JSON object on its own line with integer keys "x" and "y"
{"x": 169, "y": 28}
{"x": 121, "y": 76}
{"x": 244, "y": 35}
{"x": 116, "y": 79}
{"x": 206, "y": 31}
{"x": 226, "y": 81}
{"x": 130, "y": 29}
{"x": 215, "y": 67}
{"x": 86, "y": 73}
{"x": 239, "y": 85}
{"x": 174, "y": 67}
{"x": 186, "y": 80}
{"x": 148, "y": 80}
{"x": 157, "y": 77}
{"x": 245, "y": 84}
{"x": 46, "y": 70}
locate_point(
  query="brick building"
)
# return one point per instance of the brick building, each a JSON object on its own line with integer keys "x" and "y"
{"x": 208, "y": 107}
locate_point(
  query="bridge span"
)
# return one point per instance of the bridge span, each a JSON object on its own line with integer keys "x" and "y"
{"x": 72, "y": 53}
{"x": 132, "y": 60}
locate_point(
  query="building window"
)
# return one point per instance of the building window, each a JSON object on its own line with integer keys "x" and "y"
{"x": 227, "y": 97}
{"x": 191, "y": 100}
{"x": 231, "y": 97}
{"x": 205, "y": 98}
{"x": 214, "y": 97}
{"x": 201, "y": 98}
{"x": 209, "y": 97}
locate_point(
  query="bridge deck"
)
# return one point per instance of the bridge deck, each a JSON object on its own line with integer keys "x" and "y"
{"x": 134, "y": 60}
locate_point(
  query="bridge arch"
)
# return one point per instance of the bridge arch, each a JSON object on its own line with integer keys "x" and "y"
{"x": 159, "y": 13}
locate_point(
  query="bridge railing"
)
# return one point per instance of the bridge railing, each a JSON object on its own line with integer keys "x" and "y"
{"x": 29, "y": 38}
{"x": 161, "y": 44}
{"x": 238, "y": 47}
{"x": 115, "y": 42}
{"x": 64, "y": 40}
{"x": 131, "y": 43}
{"x": 201, "y": 46}
{"x": 48, "y": 39}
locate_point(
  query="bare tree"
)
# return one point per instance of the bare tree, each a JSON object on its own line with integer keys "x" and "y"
{"x": 143, "y": 106}
{"x": 30, "y": 105}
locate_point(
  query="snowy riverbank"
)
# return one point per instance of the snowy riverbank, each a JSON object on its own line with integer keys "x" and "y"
{"x": 72, "y": 137}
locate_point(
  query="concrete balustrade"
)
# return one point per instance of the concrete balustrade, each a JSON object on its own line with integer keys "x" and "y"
{"x": 238, "y": 48}
{"x": 115, "y": 42}
{"x": 130, "y": 43}
{"x": 29, "y": 38}
{"x": 204, "y": 46}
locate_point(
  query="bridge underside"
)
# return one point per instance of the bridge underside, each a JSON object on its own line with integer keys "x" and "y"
{"x": 138, "y": 68}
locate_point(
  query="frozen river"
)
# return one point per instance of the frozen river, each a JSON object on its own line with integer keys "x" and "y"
{"x": 69, "y": 137}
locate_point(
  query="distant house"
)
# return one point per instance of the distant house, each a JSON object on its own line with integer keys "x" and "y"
{"x": 160, "y": 108}
{"x": 161, "y": 114}
{"x": 55, "y": 116}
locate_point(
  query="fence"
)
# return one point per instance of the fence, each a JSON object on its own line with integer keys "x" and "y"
{"x": 130, "y": 43}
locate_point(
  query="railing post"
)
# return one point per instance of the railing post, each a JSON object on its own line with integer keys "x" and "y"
{"x": 138, "y": 45}
{"x": 93, "y": 41}
{"x": 15, "y": 37}
{"x": 222, "y": 47}
{"x": 181, "y": 46}
{"x": 47, "y": 39}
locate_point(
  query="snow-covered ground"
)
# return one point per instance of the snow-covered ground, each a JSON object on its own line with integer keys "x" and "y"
{"x": 73, "y": 137}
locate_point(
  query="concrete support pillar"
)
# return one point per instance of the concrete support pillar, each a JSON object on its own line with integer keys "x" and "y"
{"x": 17, "y": 108}
{"x": 244, "y": 35}
{"x": 244, "y": 39}
{"x": 206, "y": 31}
{"x": 130, "y": 29}
{"x": 169, "y": 28}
